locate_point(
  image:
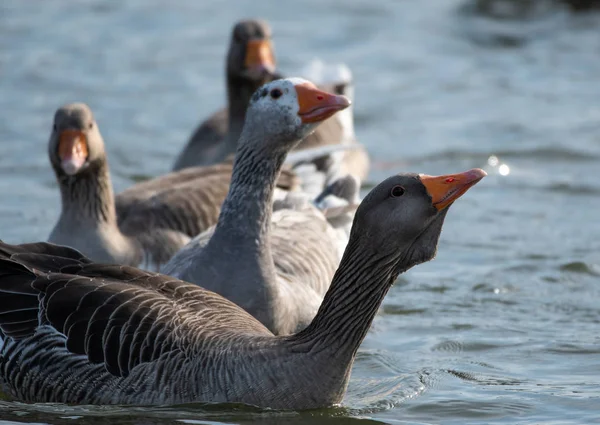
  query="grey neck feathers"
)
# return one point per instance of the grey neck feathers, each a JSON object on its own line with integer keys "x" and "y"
{"x": 357, "y": 290}
{"x": 88, "y": 197}
{"x": 238, "y": 256}
{"x": 246, "y": 211}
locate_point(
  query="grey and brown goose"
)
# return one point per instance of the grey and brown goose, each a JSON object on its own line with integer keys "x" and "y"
{"x": 250, "y": 63}
{"x": 79, "y": 332}
{"x": 283, "y": 262}
{"x": 144, "y": 225}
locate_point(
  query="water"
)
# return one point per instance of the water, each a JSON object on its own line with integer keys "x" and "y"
{"x": 503, "y": 326}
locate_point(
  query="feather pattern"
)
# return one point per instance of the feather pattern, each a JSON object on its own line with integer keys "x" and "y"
{"x": 94, "y": 329}
{"x": 75, "y": 331}
{"x": 110, "y": 334}
{"x": 188, "y": 201}
{"x": 284, "y": 262}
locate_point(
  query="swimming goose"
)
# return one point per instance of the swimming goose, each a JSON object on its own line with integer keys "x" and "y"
{"x": 146, "y": 224}
{"x": 79, "y": 332}
{"x": 251, "y": 63}
{"x": 283, "y": 262}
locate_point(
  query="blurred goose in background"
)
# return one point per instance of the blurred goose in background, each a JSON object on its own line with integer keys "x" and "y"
{"x": 251, "y": 63}
{"x": 337, "y": 78}
{"x": 276, "y": 266}
{"x": 343, "y": 169}
{"x": 144, "y": 225}
{"x": 79, "y": 332}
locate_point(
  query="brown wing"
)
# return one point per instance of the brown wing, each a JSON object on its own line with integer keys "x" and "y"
{"x": 117, "y": 315}
{"x": 188, "y": 201}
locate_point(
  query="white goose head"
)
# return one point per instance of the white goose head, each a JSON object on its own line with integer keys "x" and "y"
{"x": 285, "y": 111}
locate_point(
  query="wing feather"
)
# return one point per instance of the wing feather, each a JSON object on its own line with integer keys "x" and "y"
{"x": 117, "y": 316}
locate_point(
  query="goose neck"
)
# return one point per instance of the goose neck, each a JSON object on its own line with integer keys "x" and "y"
{"x": 246, "y": 212}
{"x": 88, "y": 196}
{"x": 349, "y": 307}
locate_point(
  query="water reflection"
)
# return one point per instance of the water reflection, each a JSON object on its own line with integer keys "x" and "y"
{"x": 502, "y": 168}
{"x": 187, "y": 414}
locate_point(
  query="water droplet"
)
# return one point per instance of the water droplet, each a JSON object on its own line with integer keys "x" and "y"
{"x": 493, "y": 160}
{"x": 504, "y": 170}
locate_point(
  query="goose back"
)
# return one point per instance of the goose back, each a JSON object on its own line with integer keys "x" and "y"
{"x": 118, "y": 335}
{"x": 141, "y": 335}
{"x": 306, "y": 253}
{"x": 188, "y": 200}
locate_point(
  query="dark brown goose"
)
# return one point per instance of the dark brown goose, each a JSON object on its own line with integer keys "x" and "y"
{"x": 146, "y": 224}
{"x": 79, "y": 332}
{"x": 251, "y": 63}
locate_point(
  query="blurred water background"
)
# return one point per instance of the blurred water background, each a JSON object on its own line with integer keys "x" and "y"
{"x": 503, "y": 327}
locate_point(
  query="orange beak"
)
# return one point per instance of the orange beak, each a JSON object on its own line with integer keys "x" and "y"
{"x": 259, "y": 57}
{"x": 72, "y": 150}
{"x": 316, "y": 105}
{"x": 446, "y": 189}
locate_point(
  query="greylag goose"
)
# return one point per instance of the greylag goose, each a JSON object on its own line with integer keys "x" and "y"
{"x": 146, "y": 224}
{"x": 251, "y": 63}
{"x": 283, "y": 262}
{"x": 79, "y": 332}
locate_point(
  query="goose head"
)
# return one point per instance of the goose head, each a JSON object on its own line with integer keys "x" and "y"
{"x": 75, "y": 145}
{"x": 283, "y": 112}
{"x": 402, "y": 217}
{"x": 251, "y": 55}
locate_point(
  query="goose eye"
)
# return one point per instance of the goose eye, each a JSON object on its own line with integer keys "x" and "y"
{"x": 276, "y": 93}
{"x": 54, "y": 128}
{"x": 91, "y": 125}
{"x": 339, "y": 88}
{"x": 397, "y": 191}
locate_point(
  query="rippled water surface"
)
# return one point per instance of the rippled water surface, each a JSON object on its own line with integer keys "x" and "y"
{"x": 503, "y": 327}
